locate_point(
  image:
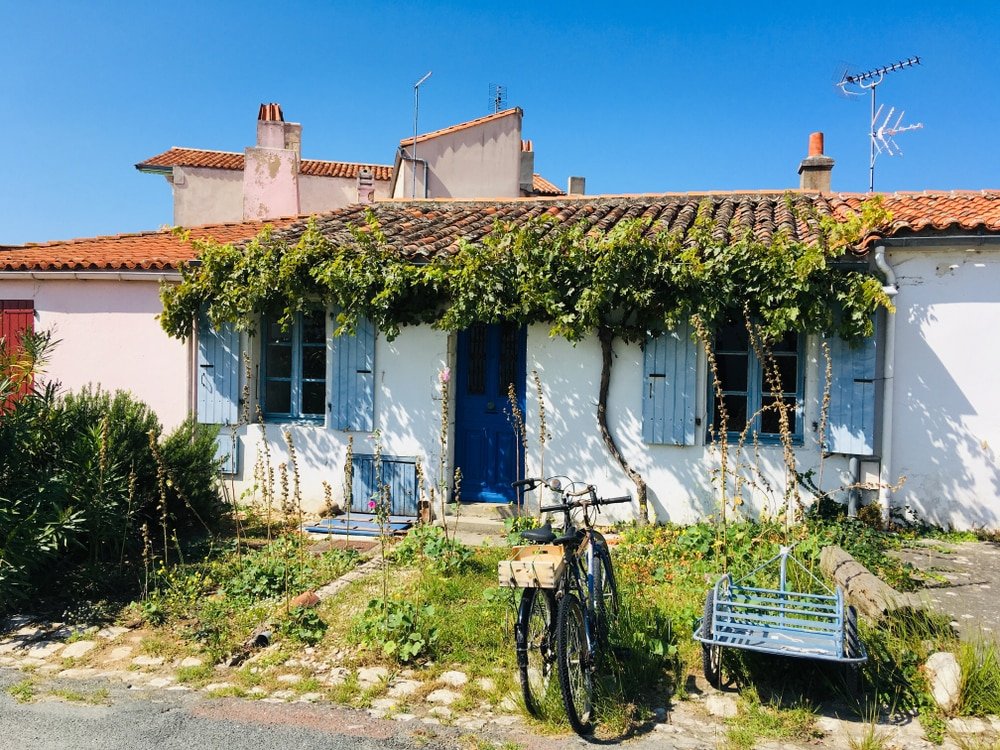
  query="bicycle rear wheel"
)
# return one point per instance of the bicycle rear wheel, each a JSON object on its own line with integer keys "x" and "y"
{"x": 573, "y": 658}
{"x": 605, "y": 595}
{"x": 535, "y": 636}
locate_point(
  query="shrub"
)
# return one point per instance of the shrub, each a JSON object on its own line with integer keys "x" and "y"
{"x": 400, "y": 629}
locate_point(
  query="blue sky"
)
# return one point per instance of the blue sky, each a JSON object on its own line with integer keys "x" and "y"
{"x": 638, "y": 97}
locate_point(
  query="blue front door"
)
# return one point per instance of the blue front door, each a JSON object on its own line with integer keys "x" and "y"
{"x": 489, "y": 359}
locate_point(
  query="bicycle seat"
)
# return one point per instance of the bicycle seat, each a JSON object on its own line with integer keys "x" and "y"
{"x": 542, "y": 535}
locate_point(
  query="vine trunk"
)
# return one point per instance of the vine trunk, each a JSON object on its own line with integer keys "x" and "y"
{"x": 606, "y": 337}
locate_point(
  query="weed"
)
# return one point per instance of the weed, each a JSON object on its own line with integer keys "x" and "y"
{"x": 303, "y": 625}
{"x": 198, "y": 674}
{"x": 980, "y": 691}
{"x": 99, "y": 697}
{"x": 760, "y": 721}
{"x": 872, "y": 738}
{"x": 400, "y": 629}
{"x": 23, "y": 692}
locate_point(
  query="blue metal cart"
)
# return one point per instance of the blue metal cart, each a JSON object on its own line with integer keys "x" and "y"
{"x": 777, "y": 621}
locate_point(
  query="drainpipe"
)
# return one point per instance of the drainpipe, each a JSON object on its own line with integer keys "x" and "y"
{"x": 414, "y": 161}
{"x": 888, "y": 364}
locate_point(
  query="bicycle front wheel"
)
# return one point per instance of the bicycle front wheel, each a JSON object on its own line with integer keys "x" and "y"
{"x": 536, "y": 645}
{"x": 573, "y": 658}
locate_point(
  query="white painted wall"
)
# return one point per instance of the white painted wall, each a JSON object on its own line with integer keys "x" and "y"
{"x": 108, "y": 334}
{"x": 407, "y": 414}
{"x": 679, "y": 478}
{"x": 946, "y": 405}
{"x": 207, "y": 196}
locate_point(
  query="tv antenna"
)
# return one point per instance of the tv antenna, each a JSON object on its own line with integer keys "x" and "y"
{"x": 416, "y": 111}
{"x": 498, "y": 98}
{"x": 882, "y": 132}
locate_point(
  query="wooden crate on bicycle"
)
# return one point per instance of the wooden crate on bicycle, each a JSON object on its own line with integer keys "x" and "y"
{"x": 533, "y": 566}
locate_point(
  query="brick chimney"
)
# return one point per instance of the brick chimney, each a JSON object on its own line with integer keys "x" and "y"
{"x": 366, "y": 185}
{"x": 271, "y": 168}
{"x": 815, "y": 169}
{"x": 526, "y": 173}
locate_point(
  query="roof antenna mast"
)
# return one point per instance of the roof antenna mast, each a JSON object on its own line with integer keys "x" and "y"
{"x": 498, "y": 98}
{"x": 416, "y": 112}
{"x": 880, "y": 136}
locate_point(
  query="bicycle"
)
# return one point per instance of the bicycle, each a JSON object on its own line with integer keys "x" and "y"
{"x": 585, "y": 601}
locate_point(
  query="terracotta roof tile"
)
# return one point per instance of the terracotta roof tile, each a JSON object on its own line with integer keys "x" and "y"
{"x": 541, "y": 186}
{"x": 162, "y": 250}
{"x": 434, "y": 227}
{"x": 461, "y": 126}
{"x": 427, "y": 228}
{"x": 196, "y": 157}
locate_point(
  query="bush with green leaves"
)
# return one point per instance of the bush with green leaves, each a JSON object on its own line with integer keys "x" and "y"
{"x": 79, "y": 477}
{"x": 401, "y": 630}
{"x": 303, "y": 625}
{"x": 429, "y": 544}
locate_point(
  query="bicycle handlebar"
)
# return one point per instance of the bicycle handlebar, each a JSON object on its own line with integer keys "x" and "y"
{"x": 580, "y": 504}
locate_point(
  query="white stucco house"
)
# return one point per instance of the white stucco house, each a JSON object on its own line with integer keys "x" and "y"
{"x": 916, "y": 401}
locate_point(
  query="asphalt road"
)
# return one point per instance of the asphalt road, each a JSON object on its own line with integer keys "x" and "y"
{"x": 183, "y": 721}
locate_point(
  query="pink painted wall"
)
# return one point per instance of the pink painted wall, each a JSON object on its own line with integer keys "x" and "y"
{"x": 108, "y": 334}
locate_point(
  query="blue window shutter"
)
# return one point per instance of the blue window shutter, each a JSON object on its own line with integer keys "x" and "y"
{"x": 219, "y": 386}
{"x": 353, "y": 392}
{"x": 851, "y": 418}
{"x": 670, "y": 376}
{"x": 218, "y": 373}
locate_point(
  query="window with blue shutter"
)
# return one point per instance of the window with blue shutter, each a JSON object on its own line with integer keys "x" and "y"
{"x": 352, "y": 392}
{"x": 293, "y": 367}
{"x": 749, "y": 388}
{"x": 218, "y": 388}
{"x": 670, "y": 373}
{"x": 854, "y": 378}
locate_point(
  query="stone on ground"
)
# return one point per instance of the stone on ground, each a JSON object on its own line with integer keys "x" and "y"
{"x": 721, "y": 705}
{"x": 443, "y": 696}
{"x": 453, "y": 678}
{"x": 77, "y": 649}
{"x": 945, "y": 679}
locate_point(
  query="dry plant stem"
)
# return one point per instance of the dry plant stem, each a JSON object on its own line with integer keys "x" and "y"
{"x": 161, "y": 482}
{"x": 443, "y": 449}
{"x": 604, "y": 334}
{"x": 296, "y": 494}
{"x": 457, "y": 484}
{"x": 349, "y": 485}
{"x": 824, "y": 412}
{"x": 718, "y": 437}
{"x": 268, "y": 485}
{"x": 516, "y": 417}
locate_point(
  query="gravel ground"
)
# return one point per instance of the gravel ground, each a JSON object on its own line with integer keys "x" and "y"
{"x": 965, "y": 585}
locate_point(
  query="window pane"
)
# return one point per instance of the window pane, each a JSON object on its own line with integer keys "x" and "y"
{"x": 732, "y": 338}
{"x": 736, "y": 406}
{"x": 278, "y": 397}
{"x": 313, "y": 327}
{"x": 279, "y": 361}
{"x": 770, "y": 418}
{"x": 732, "y": 371}
{"x": 313, "y": 399}
{"x": 788, "y": 343}
{"x": 276, "y": 333}
{"x": 314, "y": 362}
{"x": 787, "y": 374}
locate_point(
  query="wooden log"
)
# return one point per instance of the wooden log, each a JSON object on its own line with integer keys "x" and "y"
{"x": 872, "y": 596}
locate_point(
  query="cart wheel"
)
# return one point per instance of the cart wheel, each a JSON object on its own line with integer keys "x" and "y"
{"x": 852, "y": 641}
{"x": 711, "y": 656}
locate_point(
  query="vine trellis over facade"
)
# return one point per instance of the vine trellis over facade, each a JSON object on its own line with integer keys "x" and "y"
{"x": 589, "y": 272}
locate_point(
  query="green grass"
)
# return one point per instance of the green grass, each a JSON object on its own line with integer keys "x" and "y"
{"x": 769, "y": 721}
{"x": 100, "y": 697}
{"x": 23, "y": 691}
{"x": 980, "y": 665}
